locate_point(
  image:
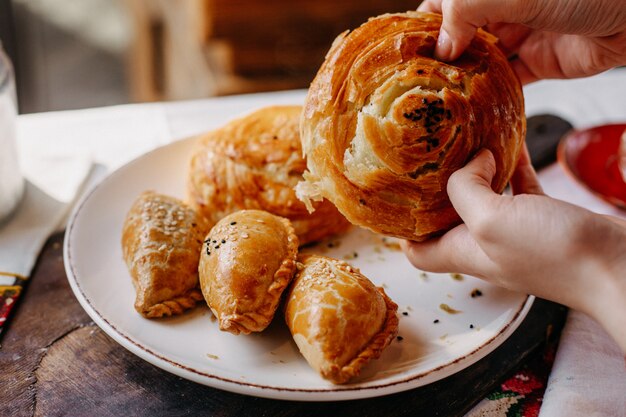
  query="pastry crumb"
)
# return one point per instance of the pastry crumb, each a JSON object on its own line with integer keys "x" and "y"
{"x": 210, "y": 355}
{"x": 448, "y": 309}
{"x": 457, "y": 277}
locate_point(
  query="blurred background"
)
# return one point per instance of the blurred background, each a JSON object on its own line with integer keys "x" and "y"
{"x": 72, "y": 54}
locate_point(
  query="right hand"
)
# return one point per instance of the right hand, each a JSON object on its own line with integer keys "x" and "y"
{"x": 547, "y": 38}
{"x": 532, "y": 243}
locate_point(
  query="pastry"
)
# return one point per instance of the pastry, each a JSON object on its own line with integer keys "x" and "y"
{"x": 254, "y": 163}
{"x": 248, "y": 259}
{"x": 338, "y": 318}
{"x": 161, "y": 241}
{"x": 385, "y": 124}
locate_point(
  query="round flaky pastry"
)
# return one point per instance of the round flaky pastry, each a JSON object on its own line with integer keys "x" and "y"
{"x": 337, "y": 317}
{"x": 385, "y": 124}
{"x": 254, "y": 163}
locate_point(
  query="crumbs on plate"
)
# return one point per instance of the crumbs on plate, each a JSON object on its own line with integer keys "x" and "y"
{"x": 448, "y": 309}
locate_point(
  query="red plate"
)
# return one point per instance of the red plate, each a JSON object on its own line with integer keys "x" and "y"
{"x": 591, "y": 157}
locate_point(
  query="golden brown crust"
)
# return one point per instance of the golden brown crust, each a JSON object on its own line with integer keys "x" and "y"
{"x": 254, "y": 163}
{"x": 338, "y": 318}
{"x": 161, "y": 241}
{"x": 247, "y": 261}
{"x": 385, "y": 124}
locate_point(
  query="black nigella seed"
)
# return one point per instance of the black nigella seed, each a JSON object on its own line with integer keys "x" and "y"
{"x": 217, "y": 247}
{"x": 400, "y": 338}
{"x": 404, "y": 313}
{"x": 233, "y": 223}
{"x": 471, "y": 326}
{"x": 476, "y": 293}
{"x": 436, "y": 321}
{"x": 223, "y": 241}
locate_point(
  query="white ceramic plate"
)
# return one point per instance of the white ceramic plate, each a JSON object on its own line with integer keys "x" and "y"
{"x": 269, "y": 364}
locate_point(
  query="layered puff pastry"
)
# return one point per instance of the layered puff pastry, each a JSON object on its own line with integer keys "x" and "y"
{"x": 385, "y": 124}
{"x": 161, "y": 241}
{"x": 338, "y": 318}
{"x": 248, "y": 259}
{"x": 254, "y": 163}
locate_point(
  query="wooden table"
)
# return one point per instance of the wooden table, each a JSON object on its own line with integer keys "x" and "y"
{"x": 56, "y": 361}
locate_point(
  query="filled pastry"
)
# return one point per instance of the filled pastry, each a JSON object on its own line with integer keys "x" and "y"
{"x": 247, "y": 260}
{"x": 338, "y": 318}
{"x": 161, "y": 241}
{"x": 385, "y": 124}
{"x": 254, "y": 163}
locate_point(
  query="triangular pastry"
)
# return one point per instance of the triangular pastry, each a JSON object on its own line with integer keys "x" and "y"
{"x": 161, "y": 241}
{"x": 338, "y": 318}
{"x": 247, "y": 261}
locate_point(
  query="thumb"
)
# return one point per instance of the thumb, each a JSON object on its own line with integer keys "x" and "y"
{"x": 469, "y": 188}
{"x": 462, "y": 18}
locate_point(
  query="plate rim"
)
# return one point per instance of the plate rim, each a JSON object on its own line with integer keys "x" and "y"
{"x": 332, "y": 393}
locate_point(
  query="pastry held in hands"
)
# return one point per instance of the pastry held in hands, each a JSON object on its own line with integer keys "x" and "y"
{"x": 385, "y": 124}
{"x": 254, "y": 163}
{"x": 338, "y": 318}
{"x": 247, "y": 260}
{"x": 161, "y": 241}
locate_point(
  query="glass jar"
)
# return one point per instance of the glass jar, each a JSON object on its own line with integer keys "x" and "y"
{"x": 11, "y": 179}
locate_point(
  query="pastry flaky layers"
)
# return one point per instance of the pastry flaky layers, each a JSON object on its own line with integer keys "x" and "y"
{"x": 338, "y": 318}
{"x": 254, "y": 162}
{"x": 161, "y": 241}
{"x": 247, "y": 261}
{"x": 385, "y": 124}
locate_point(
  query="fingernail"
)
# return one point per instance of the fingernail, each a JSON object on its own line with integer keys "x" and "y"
{"x": 444, "y": 46}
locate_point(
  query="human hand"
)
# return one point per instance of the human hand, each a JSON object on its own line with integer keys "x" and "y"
{"x": 547, "y": 38}
{"x": 532, "y": 243}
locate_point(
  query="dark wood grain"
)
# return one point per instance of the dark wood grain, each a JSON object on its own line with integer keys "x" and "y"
{"x": 55, "y": 361}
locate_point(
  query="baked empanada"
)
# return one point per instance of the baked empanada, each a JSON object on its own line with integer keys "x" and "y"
{"x": 337, "y": 317}
{"x": 247, "y": 260}
{"x": 255, "y": 162}
{"x": 161, "y": 241}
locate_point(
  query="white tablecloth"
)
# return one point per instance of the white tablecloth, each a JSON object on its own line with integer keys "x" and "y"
{"x": 114, "y": 135}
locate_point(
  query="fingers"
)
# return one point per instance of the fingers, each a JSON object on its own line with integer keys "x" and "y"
{"x": 469, "y": 188}
{"x": 433, "y": 6}
{"x": 456, "y": 251}
{"x": 525, "y": 75}
{"x": 524, "y": 179}
{"x": 461, "y": 19}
